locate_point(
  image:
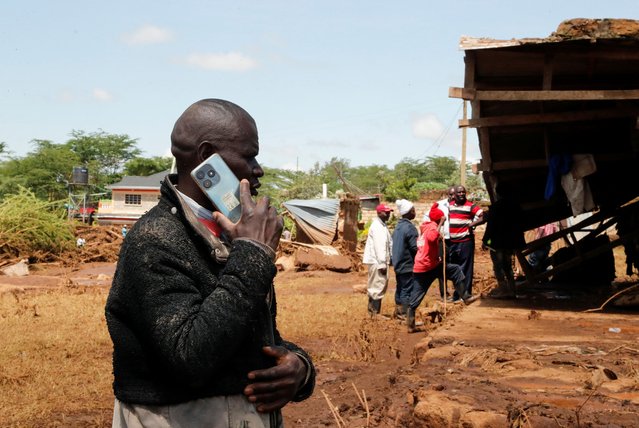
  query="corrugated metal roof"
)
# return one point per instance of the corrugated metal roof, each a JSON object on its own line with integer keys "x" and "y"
{"x": 316, "y": 217}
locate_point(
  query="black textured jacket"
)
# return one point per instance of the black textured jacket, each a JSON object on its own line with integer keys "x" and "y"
{"x": 188, "y": 315}
{"x": 404, "y": 246}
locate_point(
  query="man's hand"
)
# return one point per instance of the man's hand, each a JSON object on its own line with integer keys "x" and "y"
{"x": 259, "y": 221}
{"x": 272, "y": 388}
{"x": 383, "y": 270}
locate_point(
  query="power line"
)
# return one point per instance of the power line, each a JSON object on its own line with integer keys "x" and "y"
{"x": 438, "y": 142}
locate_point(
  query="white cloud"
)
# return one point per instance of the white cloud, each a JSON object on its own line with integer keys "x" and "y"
{"x": 66, "y": 96}
{"x": 148, "y": 35}
{"x": 427, "y": 127}
{"x": 102, "y": 95}
{"x": 231, "y": 61}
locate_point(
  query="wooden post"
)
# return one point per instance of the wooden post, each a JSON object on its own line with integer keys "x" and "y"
{"x": 462, "y": 180}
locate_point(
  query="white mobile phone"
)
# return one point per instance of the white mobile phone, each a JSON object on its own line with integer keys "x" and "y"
{"x": 220, "y": 185}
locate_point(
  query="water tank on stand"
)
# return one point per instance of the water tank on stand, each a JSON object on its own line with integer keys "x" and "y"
{"x": 80, "y": 175}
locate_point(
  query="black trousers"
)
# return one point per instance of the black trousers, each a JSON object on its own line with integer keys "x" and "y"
{"x": 423, "y": 280}
{"x": 463, "y": 254}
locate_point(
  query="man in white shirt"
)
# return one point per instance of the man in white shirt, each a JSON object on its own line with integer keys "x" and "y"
{"x": 377, "y": 255}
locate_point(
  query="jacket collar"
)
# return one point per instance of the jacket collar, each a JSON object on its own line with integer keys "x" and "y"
{"x": 219, "y": 249}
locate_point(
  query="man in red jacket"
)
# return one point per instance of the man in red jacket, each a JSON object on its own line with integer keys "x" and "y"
{"x": 428, "y": 265}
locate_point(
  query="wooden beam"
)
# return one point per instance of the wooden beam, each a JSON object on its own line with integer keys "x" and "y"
{"x": 600, "y": 158}
{"x": 548, "y": 68}
{"x": 454, "y": 92}
{"x": 469, "y": 75}
{"x": 576, "y": 95}
{"x": 521, "y": 164}
{"x": 462, "y": 163}
{"x": 484, "y": 146}
{"x": 539, "y": 118}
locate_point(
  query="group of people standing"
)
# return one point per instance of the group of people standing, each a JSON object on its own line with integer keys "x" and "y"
{"x": 442, "y": 249}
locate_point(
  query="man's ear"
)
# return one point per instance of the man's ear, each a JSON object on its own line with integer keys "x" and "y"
{"x": 204, "y": 150}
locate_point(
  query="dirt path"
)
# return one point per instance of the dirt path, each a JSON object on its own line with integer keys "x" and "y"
{"x": 491, "y": 364}
{"x": 537, "y": 361}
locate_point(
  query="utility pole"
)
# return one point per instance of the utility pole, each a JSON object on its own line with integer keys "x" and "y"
{"x": 462, "y": 180}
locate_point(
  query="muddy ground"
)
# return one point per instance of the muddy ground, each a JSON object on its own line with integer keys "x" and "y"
{"x": 535, "y": 362}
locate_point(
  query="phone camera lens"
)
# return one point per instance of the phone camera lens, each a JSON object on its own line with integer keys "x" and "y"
{"x": 200, "y": 174}
{"x": 211, "y": 173}
{"x": 207, "y": 183}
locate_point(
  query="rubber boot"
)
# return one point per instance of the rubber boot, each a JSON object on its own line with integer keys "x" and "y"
{"x": 374, "y": 307}
{"x": 410, "y": 320}
{"x": 400, "y": 312}
{"x": 405, "y": 309}
{"x": 371, "y": 306}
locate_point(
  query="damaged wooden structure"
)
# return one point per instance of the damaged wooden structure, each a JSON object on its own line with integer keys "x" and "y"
{"x": 563, "y": 106}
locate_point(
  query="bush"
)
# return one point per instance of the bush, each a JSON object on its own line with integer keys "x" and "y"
{"x": 29, "y": 225}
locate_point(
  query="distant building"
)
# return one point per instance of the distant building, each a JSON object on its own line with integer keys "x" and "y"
{"x": 131, "y": 197}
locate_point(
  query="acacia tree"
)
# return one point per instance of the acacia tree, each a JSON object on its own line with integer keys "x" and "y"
{"x": 372, "y": 179}
{"x": 104, "y": 154}
{"x": 45, "y": 171}
{"x": 147, "y": 166}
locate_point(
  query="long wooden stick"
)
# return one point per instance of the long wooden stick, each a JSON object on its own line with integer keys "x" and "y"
{"x": 368, "y": 413}
{"x": 444, "y": 274}
{"x": 338, "y": 418}
{"x": 363, "y": 402}
{"x": 600, "y": 308}
{"x": 359, "y": 397}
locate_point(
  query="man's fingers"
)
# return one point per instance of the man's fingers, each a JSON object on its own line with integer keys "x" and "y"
{"x": 223, "y": 221}
{"x": 245, "y": 193}
{"x": 275, "y": 351}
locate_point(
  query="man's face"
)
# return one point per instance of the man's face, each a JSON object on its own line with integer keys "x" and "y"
{"x": 240, "y": 155}
{"x": 451, "y": 194}
{"x": 384, "y": 215}
{"x": 460, "y": 195}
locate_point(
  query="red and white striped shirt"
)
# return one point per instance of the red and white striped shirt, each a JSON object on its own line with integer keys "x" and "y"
{"x": 460, "y": 217}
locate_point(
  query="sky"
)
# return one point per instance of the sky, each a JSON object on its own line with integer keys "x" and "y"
{"x": 365, "y": 81}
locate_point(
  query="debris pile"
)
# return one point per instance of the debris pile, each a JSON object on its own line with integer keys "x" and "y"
{"x": 101, "y": 244}
{"x": 92, "y": 244}
{"x": 583, "y": 28}
{"x": 300, "y": 256}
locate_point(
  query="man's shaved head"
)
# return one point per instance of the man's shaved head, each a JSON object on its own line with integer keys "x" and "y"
{"x": 213, "y": 120}
{"x": 214, "y": 126}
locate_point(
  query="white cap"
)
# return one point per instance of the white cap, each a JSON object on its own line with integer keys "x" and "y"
{"x": 403, "y": 206}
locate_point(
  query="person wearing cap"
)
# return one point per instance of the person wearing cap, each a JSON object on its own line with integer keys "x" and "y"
{"x": 429, "y": 265}
{"x": 403, "y": 257}
{"x": 377, "y": 256}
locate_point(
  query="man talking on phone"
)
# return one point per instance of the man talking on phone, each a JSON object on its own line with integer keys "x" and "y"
{"x": 191, "y": 311}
